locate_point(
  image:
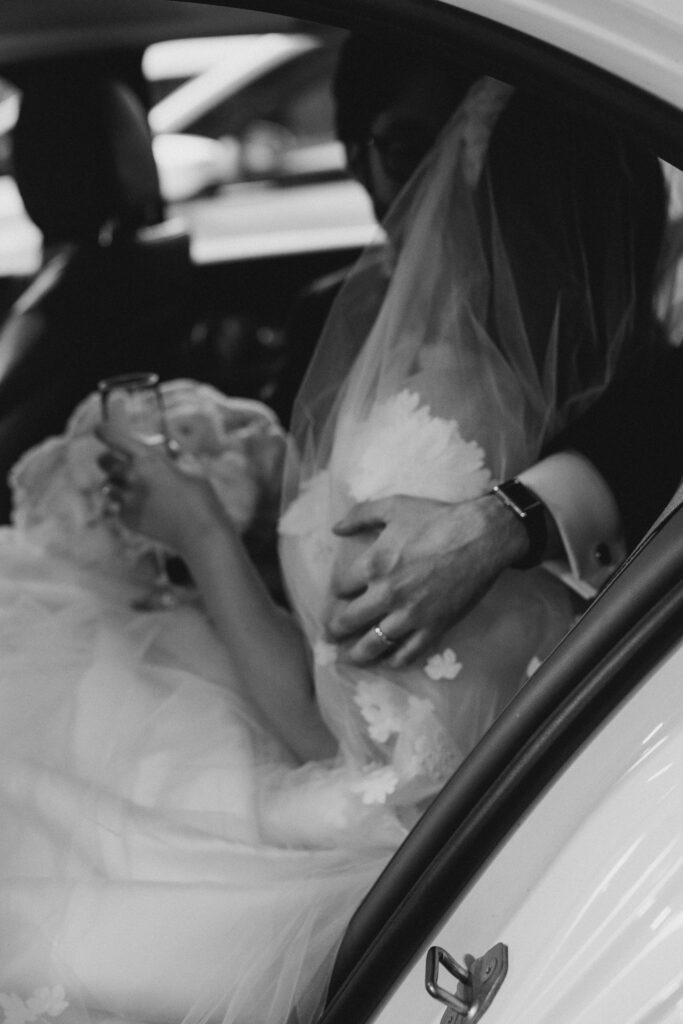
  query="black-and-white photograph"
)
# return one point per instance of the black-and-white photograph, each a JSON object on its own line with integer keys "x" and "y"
{"x": 341, "y": 512}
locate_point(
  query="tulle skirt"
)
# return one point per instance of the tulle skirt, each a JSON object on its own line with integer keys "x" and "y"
{"x": 153, "y": 864}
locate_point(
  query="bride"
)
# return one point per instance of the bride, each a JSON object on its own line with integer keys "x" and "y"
{"x": 195, "y": 801}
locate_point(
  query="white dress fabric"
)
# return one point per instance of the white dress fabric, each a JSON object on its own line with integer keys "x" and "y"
{"x": 162, "y": 857}
{"x": 144, "y": 872}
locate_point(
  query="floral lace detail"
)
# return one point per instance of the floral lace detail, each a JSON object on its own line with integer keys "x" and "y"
{"x": 424, "y": 747}
{"x": 381, "y": 707}
{"x": 431, "y": 756}
{"x": 44, "y": 1002}
{"x": 376, "y": 785}
{"x": 444, "y": 665}
{"x": 418, "y": 743}
{"x": 402, "y": 449}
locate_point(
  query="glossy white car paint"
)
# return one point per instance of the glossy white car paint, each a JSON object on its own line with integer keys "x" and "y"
{"x": 641, "y": 41}
{"x": 588, "y": 892}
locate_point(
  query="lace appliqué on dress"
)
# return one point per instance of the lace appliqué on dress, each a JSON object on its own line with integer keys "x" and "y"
{"x": 444, "y": 665}
{"x": 376, "y": 785}
{"x": 43, "y": 1003}
{"x": 401, "y": 448}
{"x": 408, "y": 729}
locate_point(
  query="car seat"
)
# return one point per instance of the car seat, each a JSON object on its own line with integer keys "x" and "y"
{"x": 113, "y": 293}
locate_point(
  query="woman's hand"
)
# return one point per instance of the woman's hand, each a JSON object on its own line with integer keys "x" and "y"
{"x": 153, "y": 496}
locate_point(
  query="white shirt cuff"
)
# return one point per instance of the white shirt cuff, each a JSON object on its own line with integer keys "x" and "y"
{"x": 587, "y": 518}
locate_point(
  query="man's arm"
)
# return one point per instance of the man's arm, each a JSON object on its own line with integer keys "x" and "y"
{"x": 430, "y": 561}
{"x": 633, "y": 436}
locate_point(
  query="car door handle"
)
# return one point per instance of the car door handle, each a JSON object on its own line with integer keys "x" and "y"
{"x": 478, "y": 982}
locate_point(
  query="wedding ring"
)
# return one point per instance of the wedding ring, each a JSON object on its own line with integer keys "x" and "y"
{"x": 381, "y": 635}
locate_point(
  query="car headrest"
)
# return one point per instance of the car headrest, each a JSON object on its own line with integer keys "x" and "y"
{"x": 82, "y": 156}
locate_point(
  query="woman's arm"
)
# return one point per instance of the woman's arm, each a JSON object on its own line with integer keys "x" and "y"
{"x": 265, "y": 644}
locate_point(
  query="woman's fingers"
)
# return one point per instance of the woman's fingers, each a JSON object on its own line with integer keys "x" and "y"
{"x": 113, "y": 500}
{"x": 116, "y": 466}
{"x": 121, "y": 442}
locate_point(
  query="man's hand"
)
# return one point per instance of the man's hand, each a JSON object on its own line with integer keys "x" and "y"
{"x": 429, "y": 562}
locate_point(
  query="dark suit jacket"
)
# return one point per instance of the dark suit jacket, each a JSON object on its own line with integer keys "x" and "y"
{"x": 633, "y": 435}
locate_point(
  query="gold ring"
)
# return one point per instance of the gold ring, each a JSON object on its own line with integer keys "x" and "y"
{"x": 381, "y": 635}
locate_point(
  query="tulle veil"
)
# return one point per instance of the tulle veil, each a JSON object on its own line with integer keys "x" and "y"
{"x": 516, "y": 275}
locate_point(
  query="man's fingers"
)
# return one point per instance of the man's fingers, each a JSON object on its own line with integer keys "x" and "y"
{"x": 414, "y": 646}
{"x": 380, "y": 640}
{"x": 349, "y": 579}
{"x": 351, "y": 617}
{"x": 366, "y": 515}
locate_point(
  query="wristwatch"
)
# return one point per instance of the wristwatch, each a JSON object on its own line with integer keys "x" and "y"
{"x": 528, "y": 507}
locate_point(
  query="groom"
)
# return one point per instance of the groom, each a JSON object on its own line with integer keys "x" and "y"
{"x": 577, "y": 510}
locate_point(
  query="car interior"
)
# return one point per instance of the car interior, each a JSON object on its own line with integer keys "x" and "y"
{"x": 85, "y": 171}
{"x": 83, "y": 165}
{"x": 82, "y": 162}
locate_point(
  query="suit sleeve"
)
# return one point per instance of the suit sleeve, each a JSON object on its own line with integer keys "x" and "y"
{"x": 633, "y": 437}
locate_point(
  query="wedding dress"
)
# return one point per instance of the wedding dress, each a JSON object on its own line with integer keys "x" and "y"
{"x": 162, "y": 855}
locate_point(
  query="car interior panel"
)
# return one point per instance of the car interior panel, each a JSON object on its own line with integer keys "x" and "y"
{"x": 113, "y": 288}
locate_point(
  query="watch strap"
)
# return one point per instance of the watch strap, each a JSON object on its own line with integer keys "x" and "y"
{"x": 529, "y": 508}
